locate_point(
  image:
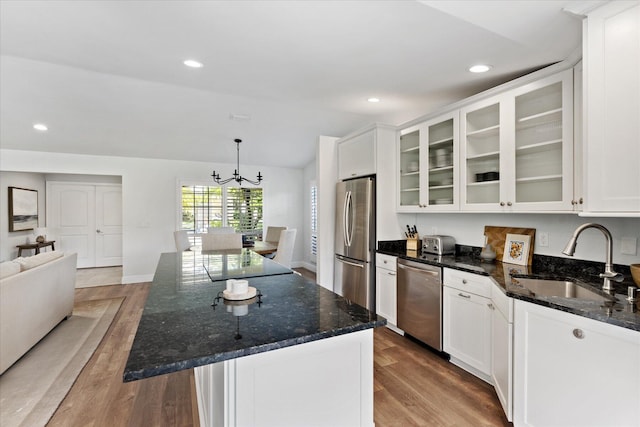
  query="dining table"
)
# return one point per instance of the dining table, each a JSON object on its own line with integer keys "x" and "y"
{"x": 262, "y": 247}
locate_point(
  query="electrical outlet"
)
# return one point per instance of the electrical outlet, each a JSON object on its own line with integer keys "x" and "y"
{"x": 543, "y": 239}
{"x": 628, "y": 245}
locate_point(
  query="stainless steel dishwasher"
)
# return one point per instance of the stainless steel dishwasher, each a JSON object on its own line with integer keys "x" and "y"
{"x": 420, "y": 301}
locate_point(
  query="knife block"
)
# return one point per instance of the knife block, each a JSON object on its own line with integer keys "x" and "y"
{"x": 413, "y": 243}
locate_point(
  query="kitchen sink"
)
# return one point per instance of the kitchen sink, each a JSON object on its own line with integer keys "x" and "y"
{"x": 558, "y": 288}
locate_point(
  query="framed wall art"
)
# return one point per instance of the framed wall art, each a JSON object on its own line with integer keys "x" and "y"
{"x": 23, "y": 209}
{"x": 516, "y": 249}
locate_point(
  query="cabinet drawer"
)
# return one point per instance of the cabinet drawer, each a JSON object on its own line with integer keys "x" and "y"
{"x": 468, "y": 282}
{"x": 387, "y": 262}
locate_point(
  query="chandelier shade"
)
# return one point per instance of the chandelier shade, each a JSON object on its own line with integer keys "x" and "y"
{"x": 236, "y": 173}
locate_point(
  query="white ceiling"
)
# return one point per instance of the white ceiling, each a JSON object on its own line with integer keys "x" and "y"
{"x": 107, "y": 76}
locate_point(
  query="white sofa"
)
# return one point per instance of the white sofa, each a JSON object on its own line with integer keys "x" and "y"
{"x": 34, "y": 297}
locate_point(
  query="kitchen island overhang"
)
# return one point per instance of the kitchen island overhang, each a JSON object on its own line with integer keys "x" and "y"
{"x": 294, "y": 321}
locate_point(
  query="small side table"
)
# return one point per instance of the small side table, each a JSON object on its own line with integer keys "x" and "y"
{"x": 36, "y": 246}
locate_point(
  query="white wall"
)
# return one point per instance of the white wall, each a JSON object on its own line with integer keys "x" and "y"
{"x": 149, "y": 197}
{"x": 309, "y": 180}
{"x": 468, "y": 229}
{"x": 327, "y": 175}
{"x": 9, "y": 240}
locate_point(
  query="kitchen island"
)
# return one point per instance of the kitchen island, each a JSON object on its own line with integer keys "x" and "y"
{"x": 295, "y": 353}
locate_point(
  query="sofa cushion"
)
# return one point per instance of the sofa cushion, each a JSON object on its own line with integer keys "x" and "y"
{"x": 9, "y": 268}
{"x": 33, "y": 261}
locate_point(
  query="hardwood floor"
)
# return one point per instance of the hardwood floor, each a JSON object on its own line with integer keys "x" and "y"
{"x": 413, "y": 386}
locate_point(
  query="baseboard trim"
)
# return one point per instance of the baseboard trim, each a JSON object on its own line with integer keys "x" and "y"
{"x": 140, "y": 278}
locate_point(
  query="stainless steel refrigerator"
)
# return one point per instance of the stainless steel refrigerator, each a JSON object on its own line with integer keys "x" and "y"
{"x": 355, "y": 241}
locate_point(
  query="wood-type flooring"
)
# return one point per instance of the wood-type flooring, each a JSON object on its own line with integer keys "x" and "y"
{"x": 412, "y": 385}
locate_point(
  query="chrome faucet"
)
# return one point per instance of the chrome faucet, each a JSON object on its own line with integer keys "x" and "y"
{"x": 608, "y": 274}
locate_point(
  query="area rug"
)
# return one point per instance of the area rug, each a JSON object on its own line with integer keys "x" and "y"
{"x": 100, "y": 276}
{"x": 33, "y": 388}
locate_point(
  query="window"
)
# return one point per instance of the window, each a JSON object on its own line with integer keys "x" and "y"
{"x": 206, "y": 206}
{"x": 314, "y": 220}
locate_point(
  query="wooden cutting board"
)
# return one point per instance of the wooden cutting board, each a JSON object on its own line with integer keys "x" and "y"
{"x": 497, "y": 235}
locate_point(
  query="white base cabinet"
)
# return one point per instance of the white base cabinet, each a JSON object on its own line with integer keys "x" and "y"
{"x": 573, "y": 371}
{"x": 386, "y": 289}
{"x": 327, "y": 382}
{"x": 502, "y": 349}
{"x": 466, "y": 321}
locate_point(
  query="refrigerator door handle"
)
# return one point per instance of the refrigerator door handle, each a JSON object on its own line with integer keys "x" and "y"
{"x": 349, "y": 218}
{"x": 345, "y": 235}
{"x": 351, "y": 263}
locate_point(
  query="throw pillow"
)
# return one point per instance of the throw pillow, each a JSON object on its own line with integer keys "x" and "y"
{"x": 8, "y": 269}
{"x": 33, "y": 261}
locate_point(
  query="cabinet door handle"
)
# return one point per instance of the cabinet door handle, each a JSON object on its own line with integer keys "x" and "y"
{"x": 501, "y": 203}
{"x": 578, "y": 333}
{"x": 464, "y": 281}
{"x": 391, "y": 273}
{"x": 509, "y": 203}
{"x": 460, "y": 294}
{"x": 491, "y": 306}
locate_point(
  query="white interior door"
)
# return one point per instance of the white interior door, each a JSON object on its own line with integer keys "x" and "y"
{"x": 108, "y": 225}
{"x": 86, "y": 219}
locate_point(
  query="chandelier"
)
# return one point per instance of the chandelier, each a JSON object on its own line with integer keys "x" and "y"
{"x": 236, "y": 173}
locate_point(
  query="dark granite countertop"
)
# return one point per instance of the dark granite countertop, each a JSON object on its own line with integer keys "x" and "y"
{"x": 180, "y": 329}
{"x": 615, "y": 310}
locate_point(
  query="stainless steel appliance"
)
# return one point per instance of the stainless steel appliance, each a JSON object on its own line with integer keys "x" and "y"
{"x": 355, "y": 241}
{"x": 420, "y": 301}
{"x": 438, "y": 245}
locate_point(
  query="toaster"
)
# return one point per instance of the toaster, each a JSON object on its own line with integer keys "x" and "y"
{"x": 439, "y": 245}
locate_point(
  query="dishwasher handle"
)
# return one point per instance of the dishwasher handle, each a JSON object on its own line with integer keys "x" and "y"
{"x": 419, "y": 270}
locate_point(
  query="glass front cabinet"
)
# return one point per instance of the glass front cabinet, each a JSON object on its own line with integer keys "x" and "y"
{"x": 428, "y": 165}
{"x": 517, "y": 149}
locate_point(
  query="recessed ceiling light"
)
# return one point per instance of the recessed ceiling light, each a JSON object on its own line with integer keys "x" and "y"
{"x": 193, "y": 64}
{"x": 480, "y": 68}
{"x": 41, "y": 127}
{"x": 373, "y": 99}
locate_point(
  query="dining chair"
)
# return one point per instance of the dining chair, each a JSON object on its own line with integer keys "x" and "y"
{"x": 182, "y": 240}
{"x": 220, "y": 230}
{"x": 284, "y": 254}
{"x": 273, "y": 234}
{"x": 217, "y": 241}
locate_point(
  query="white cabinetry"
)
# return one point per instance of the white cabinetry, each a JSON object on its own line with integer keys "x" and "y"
{"x": 357, "y": 155}
{"x": 467, "y": 313}
{"x": 573, "y": 371}
{"x": 428, "y": 165}
{"x": 517, "y": 148}
{"x": 386, "y": 291}
{"x": 502, "y": 348}
{"x": 612, "y": 109}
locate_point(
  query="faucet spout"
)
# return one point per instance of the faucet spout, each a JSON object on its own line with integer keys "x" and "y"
{"x": 609, "y": 274}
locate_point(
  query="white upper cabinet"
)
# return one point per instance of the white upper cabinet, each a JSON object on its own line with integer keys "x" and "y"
{"x": 357, "y": 155}
{"x": 612, "y": 110}
{"x": 517, "y": 149}
{"x": 428, "y": 165}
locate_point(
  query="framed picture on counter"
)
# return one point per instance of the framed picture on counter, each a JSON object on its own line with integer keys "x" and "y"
{"x": 516, "y": 249}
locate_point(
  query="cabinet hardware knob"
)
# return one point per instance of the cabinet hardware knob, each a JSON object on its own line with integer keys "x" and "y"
{"x": 464, "y": 281}
{"x": 573, "y": 202}
{"x": 509, "y": 203}
{"x": 460, "y": 294}
{"x": 391, "y": 273}
{"x": 490, "y": 306}
{"x": 581, "y": 201}
{"x": 578, "y": 333}
{"x": 501, "y": 203}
